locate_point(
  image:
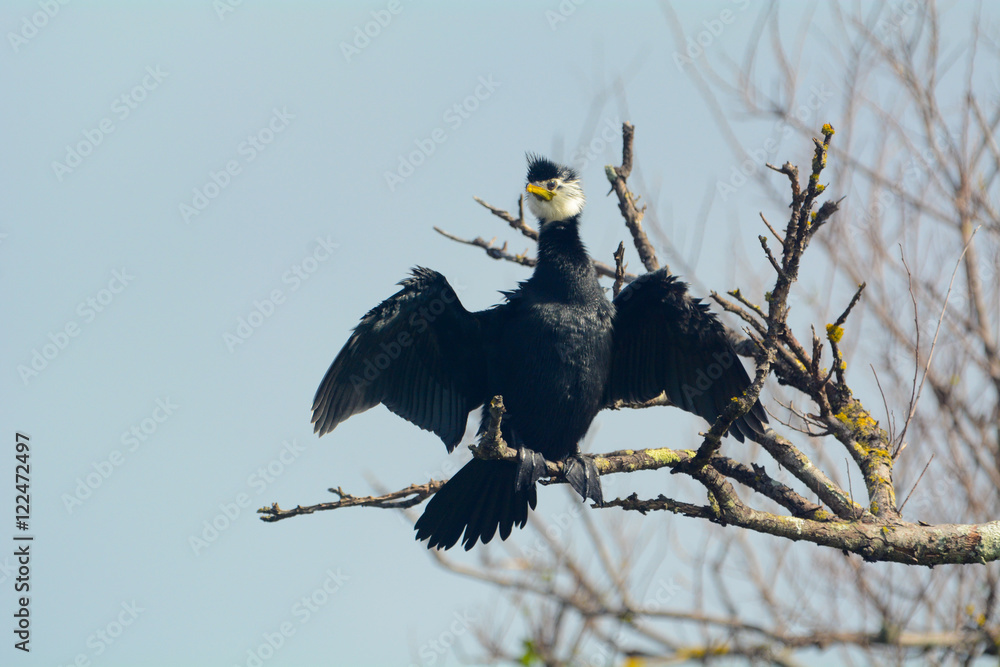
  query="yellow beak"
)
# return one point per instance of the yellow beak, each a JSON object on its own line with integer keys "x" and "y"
{"x": 547, "y": 195}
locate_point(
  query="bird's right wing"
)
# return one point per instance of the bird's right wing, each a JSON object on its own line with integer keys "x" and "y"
{"x": 419, "y": 352}
{"x": 667, "y": 341}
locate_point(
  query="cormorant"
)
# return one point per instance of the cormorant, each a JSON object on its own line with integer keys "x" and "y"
{"x": 557, "y": 351}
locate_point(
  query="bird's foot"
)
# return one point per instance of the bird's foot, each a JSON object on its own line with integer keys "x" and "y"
{"x": 530, "y": 468}
{"x": 581, "y": 473}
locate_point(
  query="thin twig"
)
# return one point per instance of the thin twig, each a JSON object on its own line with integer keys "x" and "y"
{"x": 517, "y": 223}
{"x": 930, "y": 354}
{"x": 777, "y": 236}
{"x": 915, "y": 483}
{"x": 408, "y": 497}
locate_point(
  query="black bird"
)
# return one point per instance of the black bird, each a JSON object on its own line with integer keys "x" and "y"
{"x": 557, "y": 351}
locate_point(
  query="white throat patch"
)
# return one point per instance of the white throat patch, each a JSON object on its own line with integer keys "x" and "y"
{"x": 567, "y": 202}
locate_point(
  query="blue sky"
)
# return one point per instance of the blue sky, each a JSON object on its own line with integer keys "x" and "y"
{"x": 200, "y": 201}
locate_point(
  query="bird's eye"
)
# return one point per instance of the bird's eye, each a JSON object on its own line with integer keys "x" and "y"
{"x": 552, "y": 185}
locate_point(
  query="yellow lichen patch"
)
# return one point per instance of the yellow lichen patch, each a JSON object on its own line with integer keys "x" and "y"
{"x": 834, "y": 333}
{"x": 700, "y": 653}
{"x": 819, "y": 163}
{"x": 858, "y": 418}
{"x": 866, "y": 422}
{"x": 664, "y": 456}
{"x": 827, "y": 130}
{"x": 821, "y": 515}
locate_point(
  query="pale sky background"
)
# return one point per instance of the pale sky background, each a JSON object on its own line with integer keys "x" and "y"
{"x": 196, "y": 86}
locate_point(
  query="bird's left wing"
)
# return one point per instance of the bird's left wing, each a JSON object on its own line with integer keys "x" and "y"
{"x": 419, "y": 352}
{"x": 666, "y": 341}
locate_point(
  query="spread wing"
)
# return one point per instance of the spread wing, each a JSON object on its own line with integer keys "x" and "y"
{"x": 419, "y": 352}
{"x": 667, "y": 341}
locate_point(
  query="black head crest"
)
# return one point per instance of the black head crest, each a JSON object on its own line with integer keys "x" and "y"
{"x": 542, "y": 169}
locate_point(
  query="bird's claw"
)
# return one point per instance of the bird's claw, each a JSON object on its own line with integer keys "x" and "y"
{"x": 531, "y": 468}
{"x": 581, "y": 473}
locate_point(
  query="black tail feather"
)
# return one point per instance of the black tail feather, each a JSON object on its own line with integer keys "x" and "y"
{"x": 480, "y": 499}
{"x": 752, "y": 425}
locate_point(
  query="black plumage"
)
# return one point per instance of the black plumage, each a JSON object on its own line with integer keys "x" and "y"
{"x": 557, "y": 351}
